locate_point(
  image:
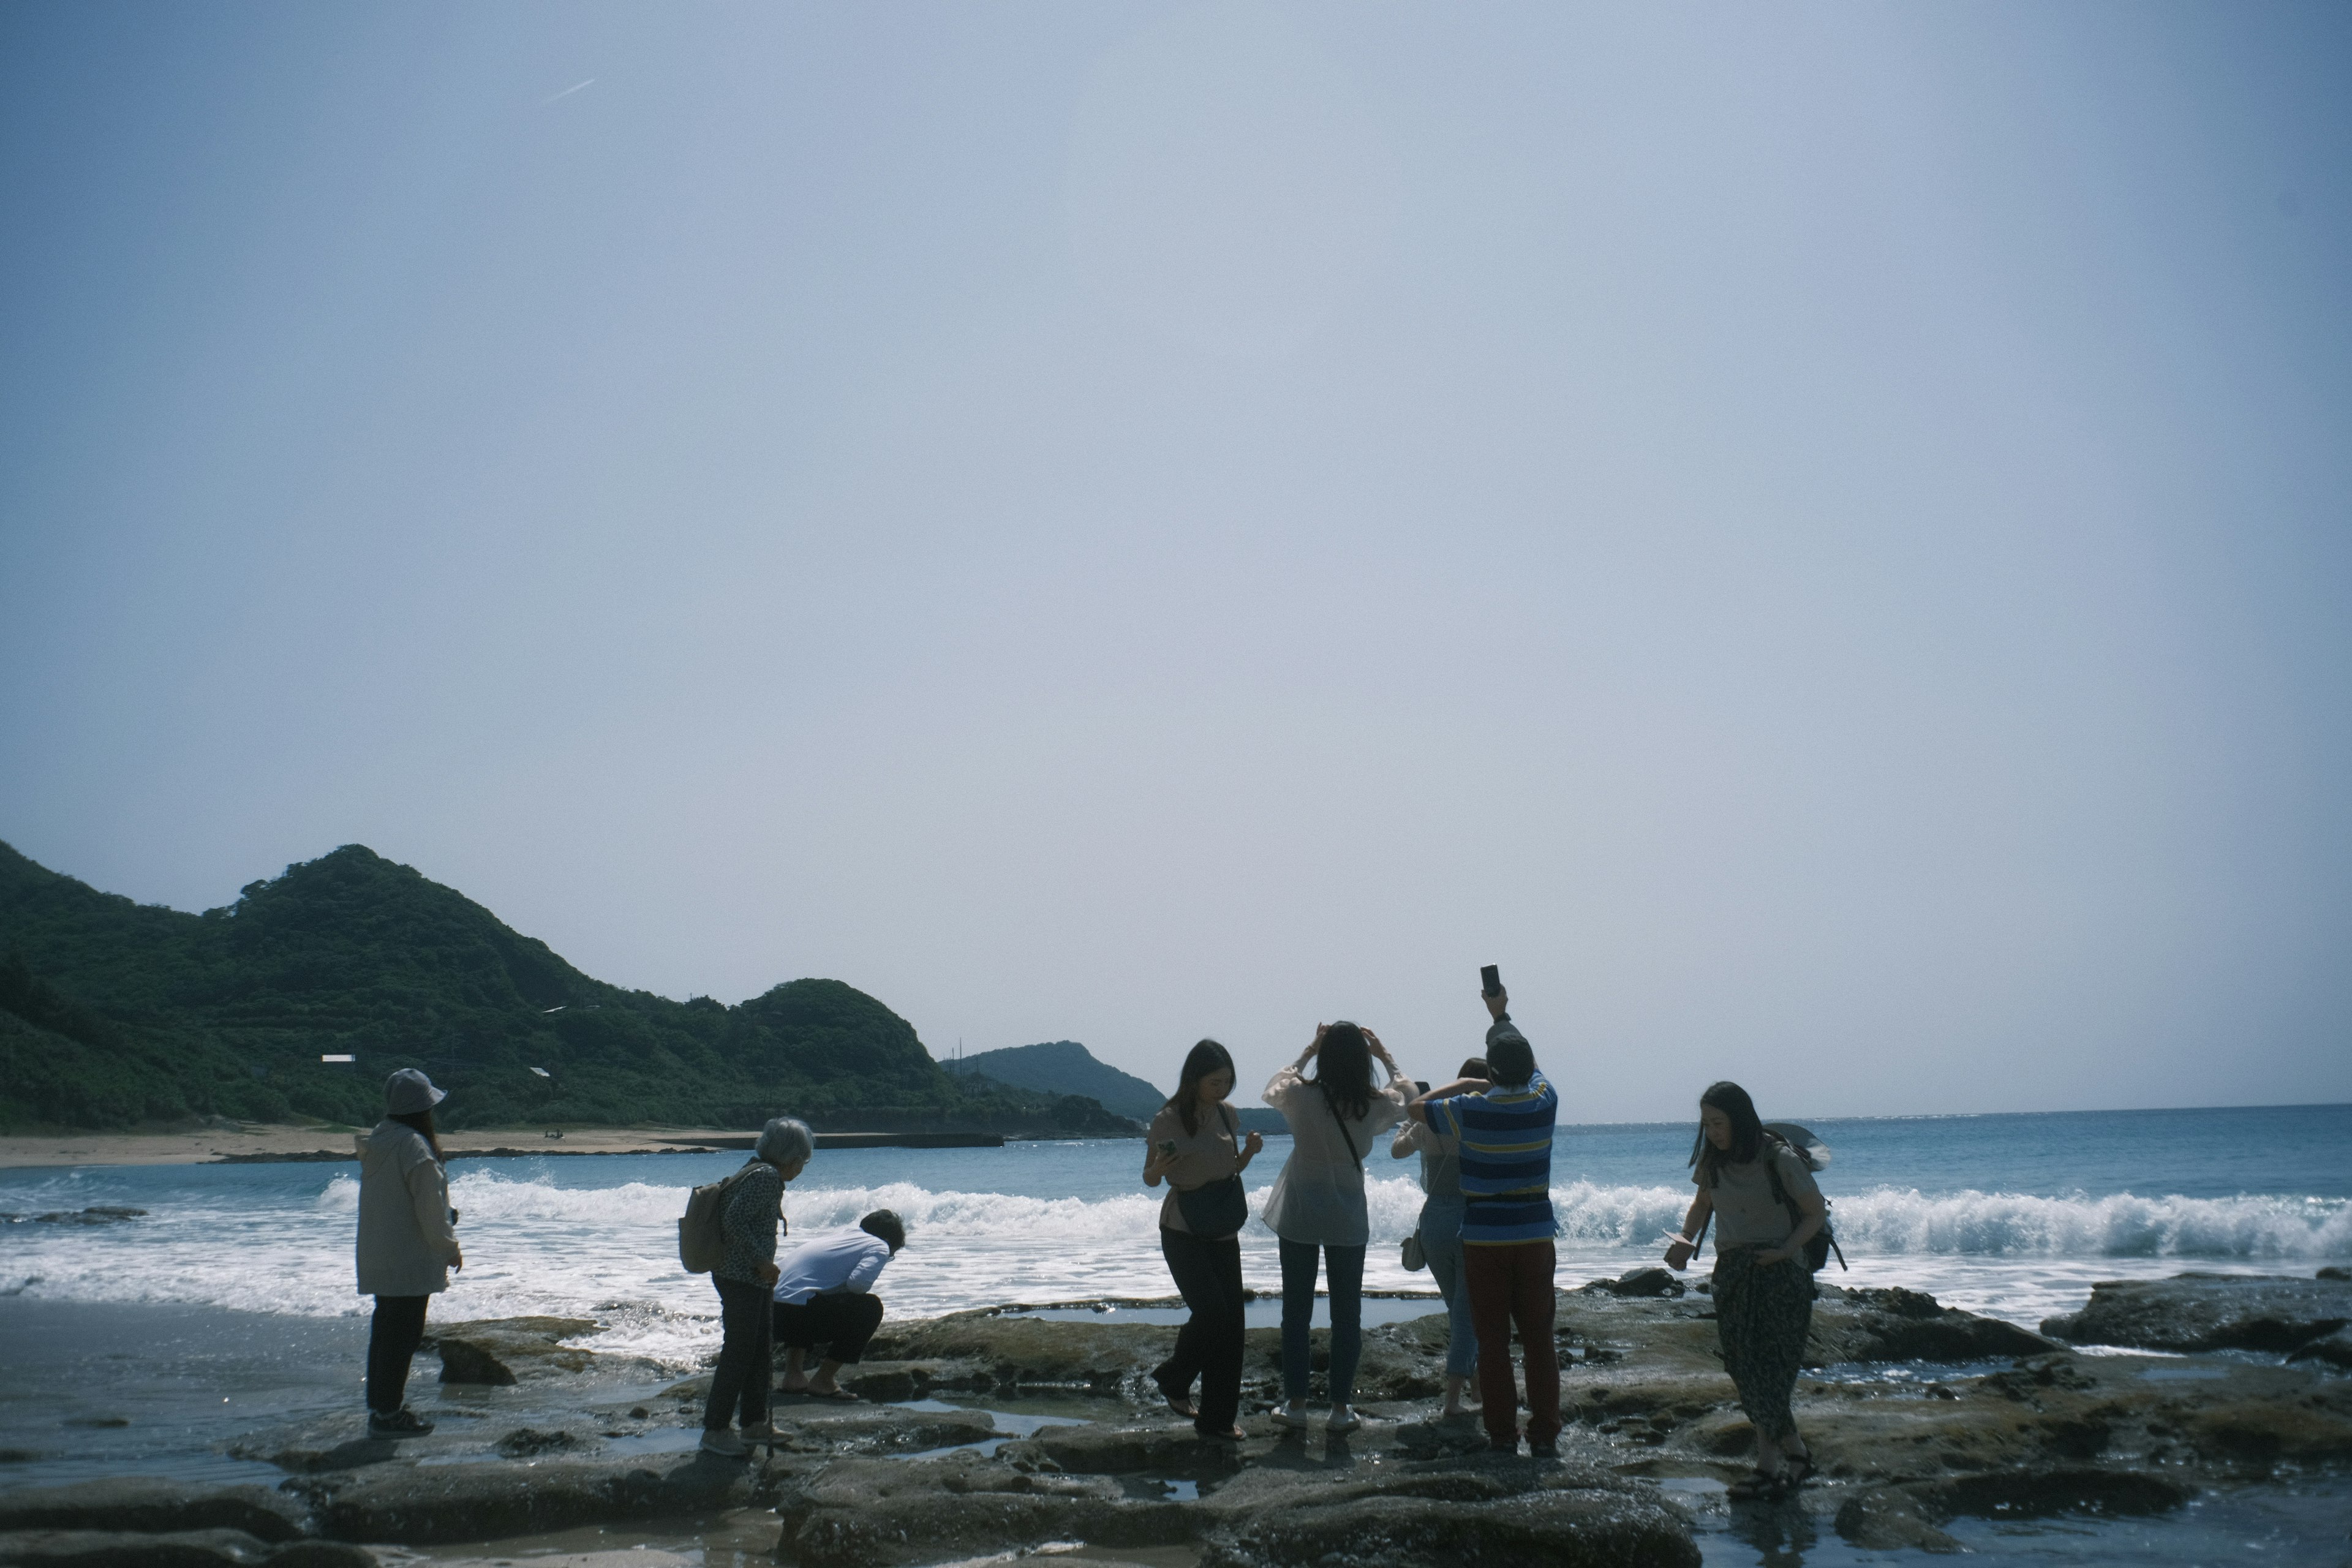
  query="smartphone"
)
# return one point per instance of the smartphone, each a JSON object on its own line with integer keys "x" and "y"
{"x": 1490, "y": 980}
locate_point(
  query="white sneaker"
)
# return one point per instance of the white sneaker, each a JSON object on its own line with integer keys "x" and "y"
{"x": 720, "y": 1440}
{"x": 1342, "y": 1420}
{"x": 1293, "y": 1414}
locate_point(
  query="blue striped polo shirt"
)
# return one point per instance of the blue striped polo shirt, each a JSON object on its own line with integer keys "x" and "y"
{"x": 1506, "y": 1137}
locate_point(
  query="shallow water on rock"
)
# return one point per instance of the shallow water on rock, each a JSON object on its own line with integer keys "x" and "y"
{"x": 2292, "y": 1527}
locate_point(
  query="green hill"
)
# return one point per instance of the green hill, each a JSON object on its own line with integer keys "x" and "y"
{"x": 1068, "y": 1068}
{"x": 113, "y": 1013}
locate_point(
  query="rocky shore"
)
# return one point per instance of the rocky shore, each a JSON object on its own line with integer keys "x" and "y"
{"x": 995, "y": 1432}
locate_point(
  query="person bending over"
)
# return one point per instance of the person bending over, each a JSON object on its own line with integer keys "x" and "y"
{"x": 825, "y": 1296}
{"x": 1507, "y": 1260}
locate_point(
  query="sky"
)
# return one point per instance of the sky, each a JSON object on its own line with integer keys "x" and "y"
{"x": 1817, "y": 537}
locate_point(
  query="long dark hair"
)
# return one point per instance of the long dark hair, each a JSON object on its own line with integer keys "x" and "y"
{"x": 1343, "y": 1071}
{"x": 422, "y": 1121}
{"x": 1201, "y": 1060}
{"x": 1747, "y": 1132}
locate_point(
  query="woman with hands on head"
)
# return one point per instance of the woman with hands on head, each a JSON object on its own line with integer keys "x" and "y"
{"x": 1193, "y": 1147}
{"x": 1763, "y": 1287}
{"x": 1317, "y": 1206}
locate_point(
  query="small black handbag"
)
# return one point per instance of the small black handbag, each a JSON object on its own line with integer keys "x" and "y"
{"x": 1217, "y": 1208}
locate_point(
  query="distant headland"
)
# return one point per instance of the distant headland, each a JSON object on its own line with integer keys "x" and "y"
{"x": 115, "y": 1014}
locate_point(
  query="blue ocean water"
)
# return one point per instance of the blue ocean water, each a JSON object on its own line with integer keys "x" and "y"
{"x": 2015, "y": 1215}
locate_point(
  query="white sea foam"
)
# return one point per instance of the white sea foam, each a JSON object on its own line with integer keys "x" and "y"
{"x": 535, "y": 1247}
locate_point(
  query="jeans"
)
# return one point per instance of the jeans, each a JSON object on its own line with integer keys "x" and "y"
{"x": 1346, "y": 1266}
{"x": 1512, "y": 1284}
{"x": 842, "y": 1323}
{"x": 1440, "y": 1242}
{"x": 394, "y": 1334}
{"x": 746, "y": 1359}
{"x": 1209, "y": 1345}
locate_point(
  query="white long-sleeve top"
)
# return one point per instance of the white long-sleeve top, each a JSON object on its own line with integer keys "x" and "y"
{"x": 1319, "y": 1195}
{"x": 405, "y": 1240}
{"x": 829, "y": 1265}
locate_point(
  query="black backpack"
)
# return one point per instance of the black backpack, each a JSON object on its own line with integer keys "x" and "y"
{"x": 1817, "y": 1250}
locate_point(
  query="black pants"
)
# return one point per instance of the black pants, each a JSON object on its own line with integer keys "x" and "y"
{"x": 1209, "y": 1276}
{"x": 394, "y": 1334}
{"x": 745, "y": 1359}
{"x": 842, "y": 1323}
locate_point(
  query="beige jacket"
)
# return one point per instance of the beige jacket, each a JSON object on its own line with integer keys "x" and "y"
{"x": 406, "y": 1242}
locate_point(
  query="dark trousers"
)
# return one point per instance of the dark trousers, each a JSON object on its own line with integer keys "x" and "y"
{"x": 745, "y": 1359}
{"x": 1346, "y": 1268}
{"x": 1761, "y": 1317}
{"x": 1513, "y": 1284}
{"x": 1208, "y": 1274}
{"x": 842, "y": 1323}
{"x": 394, "y": 1334}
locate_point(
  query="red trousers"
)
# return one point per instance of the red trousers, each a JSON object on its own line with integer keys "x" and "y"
{"x": 1512, "y": 1284}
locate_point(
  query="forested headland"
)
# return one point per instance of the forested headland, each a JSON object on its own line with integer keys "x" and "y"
{"x": 115, "y": 1014}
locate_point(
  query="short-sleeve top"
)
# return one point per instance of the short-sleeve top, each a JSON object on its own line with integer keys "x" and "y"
{"x": 1441, "y": 1160}
{"x": 1745, "y": 1212}
{"x": 1201, "y": 1157}
{"x": 1319, "y": 1195}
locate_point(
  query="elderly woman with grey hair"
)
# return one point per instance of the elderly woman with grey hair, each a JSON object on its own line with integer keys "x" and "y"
{"x": 746, "y": 1272}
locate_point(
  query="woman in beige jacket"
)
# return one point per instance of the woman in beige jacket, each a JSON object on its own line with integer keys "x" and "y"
{"x": 407, "y": 1243}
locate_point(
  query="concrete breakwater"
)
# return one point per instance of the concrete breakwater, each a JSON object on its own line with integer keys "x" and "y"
{"x": 994, "y": 1431}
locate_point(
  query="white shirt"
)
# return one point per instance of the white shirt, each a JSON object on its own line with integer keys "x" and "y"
{"x": 1319, "y": 1195}
{"x": 829, "y": 1265}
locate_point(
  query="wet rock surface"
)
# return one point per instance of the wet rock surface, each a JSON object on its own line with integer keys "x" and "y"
{"x": 171, "y": 1548}
{"x": 134, "y": 1503}
{"x": 2209, "y": 1313}
{"x": 1917, "y": 1416}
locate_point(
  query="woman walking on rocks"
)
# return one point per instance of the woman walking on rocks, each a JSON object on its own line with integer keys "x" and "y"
{"x": 408, "y": 1244}
{"x": 1317, "y": 1206}
{"x": 746, "y": 1272}
{"x": 1193, "y": 1148}
{"x": 1441, "y": 1240}
{"x": 1766, "y": 1207}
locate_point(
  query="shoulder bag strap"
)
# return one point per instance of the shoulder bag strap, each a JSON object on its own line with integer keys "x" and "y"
{"x": 1344, "y": 1133}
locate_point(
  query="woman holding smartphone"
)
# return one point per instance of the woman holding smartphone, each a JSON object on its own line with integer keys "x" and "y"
{"x": 1765, "y": 1206}
{"x": 1317, "y": 1206}
{"x": 1194, "y": 1149}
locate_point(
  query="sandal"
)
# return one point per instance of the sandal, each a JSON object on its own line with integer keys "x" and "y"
{"x": 1758, "y": 1488}
{"x": 1794, "y": 1469}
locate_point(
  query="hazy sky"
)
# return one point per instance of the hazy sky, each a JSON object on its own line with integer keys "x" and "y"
{"x": 1818, "y": 537}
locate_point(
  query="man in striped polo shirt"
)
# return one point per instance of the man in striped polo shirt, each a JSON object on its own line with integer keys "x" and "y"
{"x": 1507, "y": 1260}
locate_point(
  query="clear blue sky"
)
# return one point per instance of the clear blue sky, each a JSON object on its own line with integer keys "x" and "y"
{"x": 1818, "y": 537}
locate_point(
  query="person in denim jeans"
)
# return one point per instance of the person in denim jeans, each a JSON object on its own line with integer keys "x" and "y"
{"x": 1317, "y": 1206}
{"x": 1440, "y": 1244}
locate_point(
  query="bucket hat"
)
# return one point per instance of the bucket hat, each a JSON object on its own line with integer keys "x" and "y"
{"x": 408, "y": 1091}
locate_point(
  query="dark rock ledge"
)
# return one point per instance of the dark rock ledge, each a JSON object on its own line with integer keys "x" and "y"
{"x": 2002, "y": 1422}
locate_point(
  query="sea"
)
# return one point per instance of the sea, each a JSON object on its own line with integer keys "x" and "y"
{"x": 2013, "y": 1216}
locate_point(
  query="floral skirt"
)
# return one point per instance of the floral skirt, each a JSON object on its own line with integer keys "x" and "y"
{"x": 1762, "y": 1316}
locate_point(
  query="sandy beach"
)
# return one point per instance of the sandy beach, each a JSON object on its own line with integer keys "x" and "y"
{"x": 197, "y": 1146}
